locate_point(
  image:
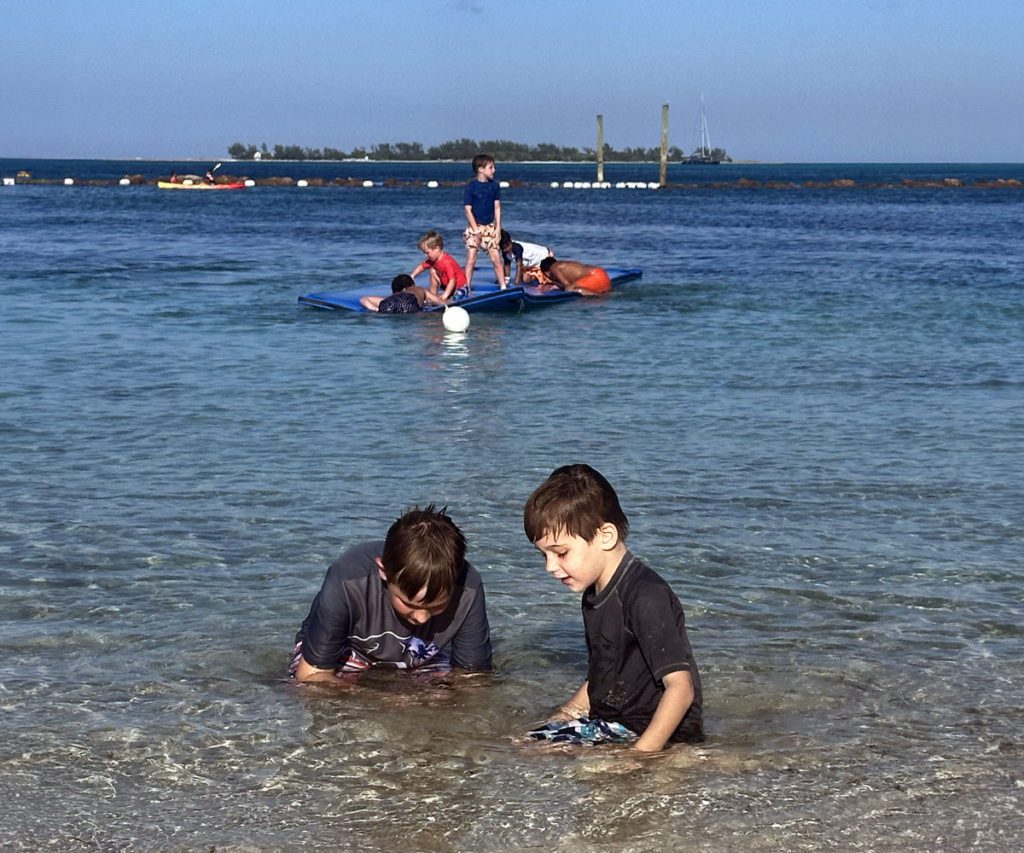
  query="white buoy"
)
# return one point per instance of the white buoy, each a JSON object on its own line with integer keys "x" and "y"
{"x": 69, "y": 182}
{"x": 554, "y": 185}
{"x": 124, "y": 182}
{"x": 8, "y": 182}
{"x": 566, "y": 185}
{"x": 455, "y": 319}
{"x": 653, "y": 185}
{"x": 367, "y": 183}
{"x": 249, "y": 182}
{"x": 302, "y": 182}
{"x": 620, "y": 185}
{"x": 432, "y": 185}
{"x": 504, "y": 184}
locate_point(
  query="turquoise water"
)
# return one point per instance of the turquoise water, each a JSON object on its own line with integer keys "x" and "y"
{"x": 812, "y": 407}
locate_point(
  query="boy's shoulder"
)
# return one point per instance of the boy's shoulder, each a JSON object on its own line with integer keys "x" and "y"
{"x": 357, "y": 562}
{"x": 641, "y": 581}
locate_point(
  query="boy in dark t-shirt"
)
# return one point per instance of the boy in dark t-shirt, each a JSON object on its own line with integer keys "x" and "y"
{"x": 410, "y": 602}
{"x": 642, "y": 681}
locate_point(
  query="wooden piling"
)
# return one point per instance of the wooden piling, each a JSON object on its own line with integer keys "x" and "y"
{"x": 600, "y": 147}
{"x": 663, "y": 171}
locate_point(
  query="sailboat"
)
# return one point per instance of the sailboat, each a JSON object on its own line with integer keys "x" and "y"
{"x": 702, "y": 156}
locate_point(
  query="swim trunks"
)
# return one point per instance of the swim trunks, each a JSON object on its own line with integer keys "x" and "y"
{"x": 486, "y": 238}
{"x": 596, "y": 281}
{"x": 584, "y": 731}
{"x": 399, "y": 303}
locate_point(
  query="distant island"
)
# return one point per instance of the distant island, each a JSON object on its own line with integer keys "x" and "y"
{"x": 463, "y": 149}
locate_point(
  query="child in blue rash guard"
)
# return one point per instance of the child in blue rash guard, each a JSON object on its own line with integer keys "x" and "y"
{"x": 411, "y": 602}
{"x": 481, "y": 202}
{"x": 642, "y": 681}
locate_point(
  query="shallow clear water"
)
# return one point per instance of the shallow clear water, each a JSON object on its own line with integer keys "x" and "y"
{"x": 812, "y": 408}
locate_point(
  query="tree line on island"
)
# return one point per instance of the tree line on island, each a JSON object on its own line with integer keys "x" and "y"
{"x": 461, "y": 149}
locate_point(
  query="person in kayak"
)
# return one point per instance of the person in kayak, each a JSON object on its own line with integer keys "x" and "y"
{"x": 573, "y": 275}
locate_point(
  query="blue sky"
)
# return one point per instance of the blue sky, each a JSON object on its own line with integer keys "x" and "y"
{"x": 797, "y": 81}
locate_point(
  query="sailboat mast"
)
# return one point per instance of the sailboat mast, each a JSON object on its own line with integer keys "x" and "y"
{"x": 705, "y": 138}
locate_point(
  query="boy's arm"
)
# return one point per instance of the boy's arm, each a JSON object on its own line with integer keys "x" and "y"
{"x": 307, "y": 673}
{"x": 577, "y": 706}
{"x": 418, "y": 270}
{"x": 470, "y": 218}
{"x": 674, "y": 704}
{"x": 497, "y": 217}
{"x": 517, "y": 258}
{"x": 471, "y": 645}
{"x": 432, "y": 298}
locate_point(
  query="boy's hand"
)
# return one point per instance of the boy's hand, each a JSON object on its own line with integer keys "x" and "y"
{"x": 568, "y": 711}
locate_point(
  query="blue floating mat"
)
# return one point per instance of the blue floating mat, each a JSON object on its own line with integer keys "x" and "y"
{"x": 486, "y": 295}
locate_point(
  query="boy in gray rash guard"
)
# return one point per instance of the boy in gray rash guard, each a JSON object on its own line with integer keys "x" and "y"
{"x": 411, "y": 602}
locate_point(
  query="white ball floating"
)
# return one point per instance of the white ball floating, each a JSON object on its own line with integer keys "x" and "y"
{"x": 249, "y": 182}
{"x": 302, "y": 182}
{"x": 124, "y": 182}
{"x": 432, "y": 185}
{"x": 455, "y": 319}
{"x": 367, "y": 183}
{"x": 554, "y": 185}
{"x": 69, "y": 182}
{"x": 504, "y": 185}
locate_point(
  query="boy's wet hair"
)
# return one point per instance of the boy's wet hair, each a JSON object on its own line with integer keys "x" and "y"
{"x": 546, "y": 264}
{"x": 504, "y": 239}
{"x": 480, "y": 161}
{"x": 431, "y": 240}
{"x": 424, "y": 551}
{"x": 575, "y": 499}
{"x": 401, "y": 282}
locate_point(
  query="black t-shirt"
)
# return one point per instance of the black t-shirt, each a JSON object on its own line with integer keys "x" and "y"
{"x": 351, "y": 623}
{"x": 636, "y": 635}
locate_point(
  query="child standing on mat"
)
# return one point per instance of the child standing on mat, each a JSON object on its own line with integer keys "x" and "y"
{"x": 482, "y": 203}
{"x": 447, "y": 279}
{"x": 642, "y": 683}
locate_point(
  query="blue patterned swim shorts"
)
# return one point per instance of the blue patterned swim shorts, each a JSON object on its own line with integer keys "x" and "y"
{"x": 585, "y": 731}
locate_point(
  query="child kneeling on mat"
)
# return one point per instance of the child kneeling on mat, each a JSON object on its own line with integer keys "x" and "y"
{"x": 642, "y": 683}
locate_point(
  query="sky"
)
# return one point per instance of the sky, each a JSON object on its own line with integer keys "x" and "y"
{"x": 782, "y": 80}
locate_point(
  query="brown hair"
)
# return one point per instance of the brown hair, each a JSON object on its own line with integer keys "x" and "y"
{"x": 481, "y": 160}
{"x": 424, "y": 550}
{"x": 576, "y": 499}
